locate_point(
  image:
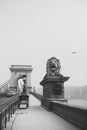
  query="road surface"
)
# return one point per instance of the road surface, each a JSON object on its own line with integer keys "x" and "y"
{"x": 37, "y": 118}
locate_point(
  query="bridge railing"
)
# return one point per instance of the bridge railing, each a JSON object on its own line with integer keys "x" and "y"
{"x": 75, "y": 114}
{"x": 7, "y": 111}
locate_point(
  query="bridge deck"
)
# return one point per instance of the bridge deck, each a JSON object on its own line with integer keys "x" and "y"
{"x": 37, "y": 118}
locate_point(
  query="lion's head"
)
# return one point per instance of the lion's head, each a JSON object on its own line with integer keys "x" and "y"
{"x": 53, "y": 66}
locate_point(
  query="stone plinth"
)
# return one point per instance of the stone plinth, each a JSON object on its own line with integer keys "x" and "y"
{"x": 53, "y": 86}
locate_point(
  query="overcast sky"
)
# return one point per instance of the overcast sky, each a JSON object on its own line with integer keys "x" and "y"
{"x": 32, "y": 31}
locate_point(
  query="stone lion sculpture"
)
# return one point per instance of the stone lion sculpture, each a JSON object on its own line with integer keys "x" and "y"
{"x": 53, "y": 67}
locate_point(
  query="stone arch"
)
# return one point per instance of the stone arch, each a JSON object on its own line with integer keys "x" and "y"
{"x": 20, "y": 84}
{"x": 17, "y": 72}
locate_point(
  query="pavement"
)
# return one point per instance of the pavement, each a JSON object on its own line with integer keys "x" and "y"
{"x": 37, "y": 118}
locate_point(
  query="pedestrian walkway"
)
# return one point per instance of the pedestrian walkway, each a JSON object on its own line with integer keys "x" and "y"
{"x": 37, "y": 118}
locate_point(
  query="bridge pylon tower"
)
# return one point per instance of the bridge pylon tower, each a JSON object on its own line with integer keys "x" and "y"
{"x": 17, "y": 72}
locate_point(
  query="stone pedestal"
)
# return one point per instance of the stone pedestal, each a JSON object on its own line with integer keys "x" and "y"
{"x": 53, "y": 90}
{"x": 53, "y": 86}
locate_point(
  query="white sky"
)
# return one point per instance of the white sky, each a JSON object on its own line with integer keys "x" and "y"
{"x": 32, "y": 31}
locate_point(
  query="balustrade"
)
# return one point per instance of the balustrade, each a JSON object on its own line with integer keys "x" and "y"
{"x": 7, "y": 111}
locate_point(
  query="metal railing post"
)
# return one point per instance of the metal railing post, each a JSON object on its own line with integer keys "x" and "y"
{"x": 5, "y": 118}
{"x": 0, "y": 121}
{"x": 11, "y": 110}
{"x": 9, "y": 113}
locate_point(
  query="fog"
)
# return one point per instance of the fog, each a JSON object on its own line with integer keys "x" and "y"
{"x": 31, "y": 32}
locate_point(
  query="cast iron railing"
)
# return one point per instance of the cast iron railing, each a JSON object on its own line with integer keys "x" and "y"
{"x": 7, "y": 111}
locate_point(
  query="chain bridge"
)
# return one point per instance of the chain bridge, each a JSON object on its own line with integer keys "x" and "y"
{"x": 50, "y": 111}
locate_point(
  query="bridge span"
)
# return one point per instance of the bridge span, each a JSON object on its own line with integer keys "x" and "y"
{"x": 37, "y": 118}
